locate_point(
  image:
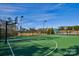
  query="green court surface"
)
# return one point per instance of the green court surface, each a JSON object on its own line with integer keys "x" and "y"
{"x": 43, "y": 45}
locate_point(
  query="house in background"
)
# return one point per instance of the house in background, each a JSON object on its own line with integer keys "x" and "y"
{"x": 68, "y": 30}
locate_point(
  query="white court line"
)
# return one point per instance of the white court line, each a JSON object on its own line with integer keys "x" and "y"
{"x": 10, "y": 48}
{"x": 54, "y": 49}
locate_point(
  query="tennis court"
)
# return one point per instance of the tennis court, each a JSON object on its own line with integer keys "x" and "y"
{"x": 45, "y": 45}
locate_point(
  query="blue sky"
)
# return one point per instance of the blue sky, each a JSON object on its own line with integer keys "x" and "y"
{"x": 56, "y": 14}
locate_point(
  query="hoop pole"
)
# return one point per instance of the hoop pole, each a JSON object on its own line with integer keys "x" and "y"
{"x": 6, "y": 32}
{"x": 6, "y": 40}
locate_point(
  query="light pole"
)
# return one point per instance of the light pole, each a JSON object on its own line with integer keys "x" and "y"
{"x": 21, "y": 25}
{"x": 44, "y": 25}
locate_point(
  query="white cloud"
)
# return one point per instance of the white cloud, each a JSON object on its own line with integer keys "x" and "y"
{"x": 29, "y": 8}
{"x": 10, "y": 8}
{"x": 40, "y": 17}
{"x": 52, "y": 7}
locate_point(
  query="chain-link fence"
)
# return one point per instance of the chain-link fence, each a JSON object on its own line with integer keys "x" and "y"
{"x": 11, "y": 30}
{"x": 2, "y": 29}
{"x": 31, "y": 40}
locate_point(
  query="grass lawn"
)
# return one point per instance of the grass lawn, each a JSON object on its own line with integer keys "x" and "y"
{"x": 42, "y": 45}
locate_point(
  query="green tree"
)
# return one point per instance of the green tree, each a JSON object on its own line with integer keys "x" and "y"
{"x": 50, "y": 31}
{"x": 69, "y": 28}
{"x": 61, "y": 28}
{"x": 76, "y": 28}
